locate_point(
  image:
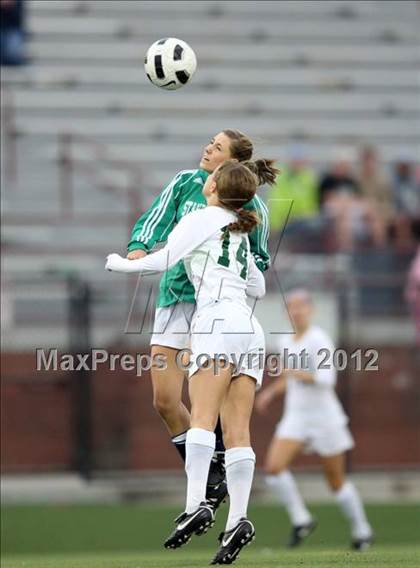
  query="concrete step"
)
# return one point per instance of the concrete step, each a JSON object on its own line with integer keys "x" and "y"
{"x": 267, "y": 30}
{"x": 289, "y": 79}
{"x": 141, "y": 139}
{"x": 265, "y": 129}
{"x": 246, "y": 54}
{"x": 241, "y": 9}
{"x": 326, "y": 104}
{"x": 67, "y": 237}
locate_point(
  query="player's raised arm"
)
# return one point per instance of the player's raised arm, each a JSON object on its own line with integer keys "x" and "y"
{"x": 158, "y": 221}
{"x": 188, "y": 234}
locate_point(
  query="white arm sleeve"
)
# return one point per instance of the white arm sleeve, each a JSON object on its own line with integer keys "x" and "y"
{"x": 191, "y": 231}
{"x": 256, "y": 281}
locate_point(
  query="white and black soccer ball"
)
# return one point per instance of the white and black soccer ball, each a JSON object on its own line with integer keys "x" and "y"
{"x": 170, "y": 63}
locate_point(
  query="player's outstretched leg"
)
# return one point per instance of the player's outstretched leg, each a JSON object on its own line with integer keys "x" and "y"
{"x": 197, "y": 522}
{"x": 280, "y": 455}
{"x": 233, "y": 541}
{"x": 349, "y": 501}
{"x": 199, "y": 515}
{"x": 303, "y": 524}
{"x": 216, "y": 490}
{"x": 240, "y": 466}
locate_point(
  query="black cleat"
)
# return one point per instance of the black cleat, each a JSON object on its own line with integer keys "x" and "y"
{"x": 216, "y": 491}
{"x": 216, "y": 495}
{"x": 233, "y": 541}
{"x": 197, "y": 523}
{"x": 217, "y": 471}
{"x": 299, "y": 533}
{"x": 362, "y": 544}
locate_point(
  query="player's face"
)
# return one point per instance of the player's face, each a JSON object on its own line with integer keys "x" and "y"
{"x": 215, "y": 153}
{"x": 300, "y": 311}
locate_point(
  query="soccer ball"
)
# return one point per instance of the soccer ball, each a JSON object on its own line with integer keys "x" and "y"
{"x": 170, "y": 63}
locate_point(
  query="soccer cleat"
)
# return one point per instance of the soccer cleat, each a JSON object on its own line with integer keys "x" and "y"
{"x": 197, "y": 523}
{"x": 217, "y": 471}
{"x": 299, "y": 533}
{"x": 233, "y": 541}
{"x": 216, "y": 491}
{"x": 362, "y": 544}
{"x": 216, "y": 495}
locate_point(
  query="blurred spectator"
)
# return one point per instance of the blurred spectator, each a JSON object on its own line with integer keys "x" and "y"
{"x": 12, "y": 32}
{"x": 297, "y": 186}
{"x": 378, "y": 193}
{"x": 351, "y": 215}
{"x": 340, "y": 178}
{"x": 412, "y": 292}
{"x": 338, "y": 192}
{"x": 406, "y": 201}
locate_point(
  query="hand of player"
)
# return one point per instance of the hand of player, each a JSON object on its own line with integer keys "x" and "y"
{"x": 262, "y": 401}
{"x": 116, "y": 263}
{"x": 301, "y": 375}
{"x": 135, "y": 254}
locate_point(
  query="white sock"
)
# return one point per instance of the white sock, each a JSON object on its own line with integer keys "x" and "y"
{"x": 180, "y": 438}
{"x": 240, "y": 465}
{"x": 199, "y": 451}
{"x": 287, "y": 491}
{"x": 349, "y": 501}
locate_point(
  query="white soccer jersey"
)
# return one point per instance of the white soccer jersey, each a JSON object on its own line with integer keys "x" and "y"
{"x": 223, "y": 272}
{"x": 222, "y": 266}
{"x": 218, "y": 263}
{"x": 315, "y": 404}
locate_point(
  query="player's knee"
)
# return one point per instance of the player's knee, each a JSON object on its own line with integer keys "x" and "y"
{"x": 204, "y": 420}
{"x": 335, "y": 482}
{"x": 164, "y": 404}
{"x": 336, "y": 485}
{"x": 272, "y": 468}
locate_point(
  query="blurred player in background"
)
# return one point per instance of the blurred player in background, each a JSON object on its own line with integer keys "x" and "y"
{"x": 313, "y": 419}
{"x": 176, "y": 304}
{"x": 214, "y": 246}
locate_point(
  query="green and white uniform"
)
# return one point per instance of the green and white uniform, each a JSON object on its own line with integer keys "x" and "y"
{"x": 181, "y": 196}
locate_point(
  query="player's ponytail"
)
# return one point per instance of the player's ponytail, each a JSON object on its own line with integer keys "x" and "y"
{"x": 246, "y": 222}
{"x": 242, "y": 148}
{"x": 264, "y": 169}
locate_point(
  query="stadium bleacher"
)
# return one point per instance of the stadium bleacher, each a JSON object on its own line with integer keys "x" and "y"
{"x": 275, "y": 77}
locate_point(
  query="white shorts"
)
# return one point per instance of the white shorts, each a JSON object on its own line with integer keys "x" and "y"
{"x": 226, "y": 328}
{"x": 319, "y": 440}
{"x": 172, "y": 326}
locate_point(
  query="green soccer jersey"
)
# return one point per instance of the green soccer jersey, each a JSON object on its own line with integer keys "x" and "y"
{"x": 181, "y": 196}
